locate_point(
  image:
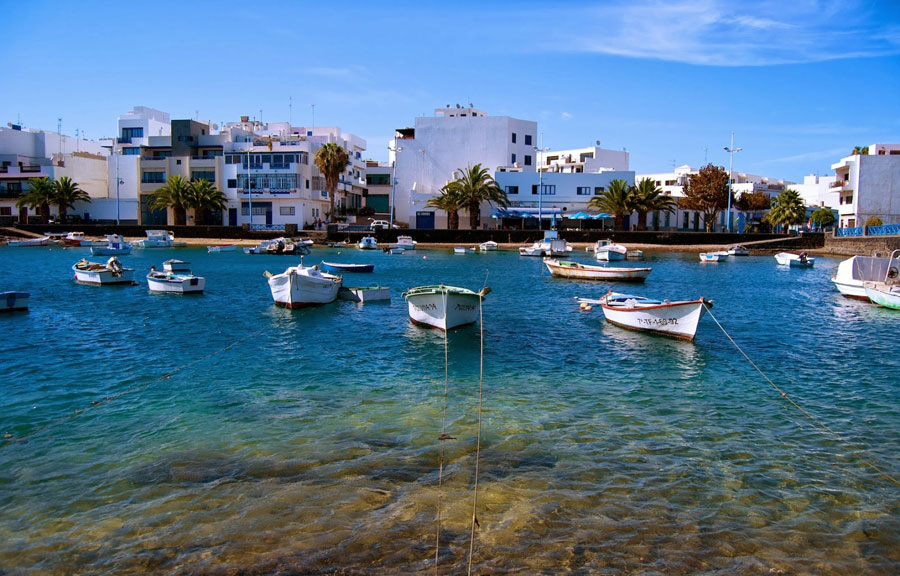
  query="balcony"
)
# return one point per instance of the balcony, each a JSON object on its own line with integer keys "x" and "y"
{"x": 269, "y": 193}
{"x": 838, "y": 184}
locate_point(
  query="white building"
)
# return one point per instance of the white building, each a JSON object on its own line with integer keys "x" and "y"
{"x": 29, "y": 154}
{"x": 818, "y": 191}
{"x": 430, "y": 153}
{"x": 868, "y": 186}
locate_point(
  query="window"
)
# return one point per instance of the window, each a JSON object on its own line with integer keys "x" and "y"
{"x": 129, "y": 133}
{"x": 513, "y": 159}
{"x": 598, "y": 190}
{"x": 286, "y": 210}
{"x": 511, "y": 190}
{"x": 528, "y": 140}
{"x": 378, "y": 179}
{"x": 210, "y": 176}
{"x": 131, "y": 151}
{"x": 14, "y": 187}
{"x": 178, "y": 162}
{"x": 583, "y": 190}
{"x": 686, "y": 219}
{"x": 548, "y": 189}
{"x": 5, "y": 210}
{"x": 513, "y": 137}
{"x": 153, "y": 177}
{"x": 534, "y": 189}
{"x": 232, "y": 182}
{"x": 527, "y": 160}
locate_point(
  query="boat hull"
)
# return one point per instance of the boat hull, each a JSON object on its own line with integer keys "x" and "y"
{"x": 886, "y": 296}
{"x": 228, "y": 248}
{"x": 28, "y": 242}
{"x": 176, "y": 283}
{"x": 578, "y": 271}
{"x": 104, "y": 276}
{"x": 354, "y": 268}
{"x": 110, "y": 251}
{"x": 292, "y": 289}
{"x": 14, "y": 301}
{"x": 443, "y": 307}
{"x": 609, "y": 255}
{"x": 851, "y": 275}
{"x": 365, "y": 294}
{"x": 794, "y": 261}
{"x": 676, "y": 319}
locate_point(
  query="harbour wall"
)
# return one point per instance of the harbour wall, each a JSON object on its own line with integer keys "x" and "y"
{"x": 861, "y": 245}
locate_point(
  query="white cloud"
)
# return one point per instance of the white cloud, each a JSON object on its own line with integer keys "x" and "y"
{"x": 566, "y": 116}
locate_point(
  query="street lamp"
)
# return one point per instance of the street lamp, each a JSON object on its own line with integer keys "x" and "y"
{"x": 537, "y": 161}
{"x": 393, "y": 182}
{"x": 731, "y": 150}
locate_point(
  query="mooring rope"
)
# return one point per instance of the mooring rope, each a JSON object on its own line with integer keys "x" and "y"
{"x": 478, "y": 435}
{"x": 136, "y": 388}
{"x": 815, "y": 421}
{"x": 443, "y": 437}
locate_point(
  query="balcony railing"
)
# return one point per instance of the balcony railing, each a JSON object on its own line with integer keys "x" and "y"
{"x": 838, "y": 184}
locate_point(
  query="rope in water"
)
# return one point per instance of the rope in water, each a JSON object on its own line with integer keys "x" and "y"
{"x": 442, "y": 438}
{"x": 135, "y": 388}
{"x": 478, "y": 435}
{"x": 815, "y": 421}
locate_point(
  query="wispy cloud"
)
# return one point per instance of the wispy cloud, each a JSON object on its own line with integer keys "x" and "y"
{"x": 832, "y": 155}
{"x": 566, "y": 116}
{"x": 329, "y": 72}
{"x": 725, "y": 33}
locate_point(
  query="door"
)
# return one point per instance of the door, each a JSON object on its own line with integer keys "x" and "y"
{"x": 232, "y": 216}
{"x": 268, "y": 218}
{"x": 425, "y": 220}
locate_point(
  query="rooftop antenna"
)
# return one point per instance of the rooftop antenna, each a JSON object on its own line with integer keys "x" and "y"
{"x": 59, "y": 133}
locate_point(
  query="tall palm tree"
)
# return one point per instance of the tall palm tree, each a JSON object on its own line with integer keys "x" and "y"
{"x": 39, "y": 197}
{"x": 65, "y": 194}
{"x": 205, "y": 198}
{"x": 331, "y": 160}
{"x": 787, "y": 209}
{"x": 174, "y": 194}
{"x": 475, "y": 186}
{"x": 648, "y": 197}
{"x": 617, "y": 200}
{"x": 450, "y": 201}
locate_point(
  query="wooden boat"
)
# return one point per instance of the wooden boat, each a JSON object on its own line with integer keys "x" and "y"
{"x": 26, "y": 242}
{"x": 367, "y": 243}
{"x": 159, "y": 239}
{"x": 174, "y": 283}
{"x": 342, "y": 267}
{"x": 115, "y": 246}
{"x": 711, "y": 256}
{"x": 566, "y": 269}
{"x": 300, "y": 286}
{"x": 76, "y": 239}
{"x": 463, "y": 250}
{"x": 365, "y": 293}
{"x": 675, "y": 319}
{"x": 174, "y": 265}
{"x": 221, "y": 248}
{"x": 800, "y": 260}
{"x": 738, "y": 250}
{"x": 14, "y": 301}
{"x": 110, "y": 273}
{"x": 489, "y": 246}
{"x": 851, "y": 275}
{"x": 609, "y": 251}
{"x": 444, "y": 307}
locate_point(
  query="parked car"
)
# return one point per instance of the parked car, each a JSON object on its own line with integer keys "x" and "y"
{"x": 379, "y": 224}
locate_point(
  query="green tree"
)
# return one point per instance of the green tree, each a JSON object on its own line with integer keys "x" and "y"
{"x": 787, "y": 210}
{"x": 873, "y": 221}
{"x": 648, "y": 197}
{"x": 204, "y": 199}
{"x": 450, "y": 201}
{"x": 857, "y": 150}
{"x": 331, "y": 160}
{"x": 65, "y": 194}
{"x": 474, "y": 187}
{"x": 174, "y": 194}
{"x": 617, "y": 200}
{"x": 823, "y": 217}
{"x": 706, "y": 192}
{"x": 39, "y": 197}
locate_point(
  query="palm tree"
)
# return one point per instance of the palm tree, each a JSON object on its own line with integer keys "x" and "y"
{"x": 787, "y": 209}
{"x": 617, "y": 200}
{"x": 39, "y": 197}
{"x": 205, "y": 198}
{"x": 174, "y": 194}
{"x": 65, "y": 194}
{"x": 474, "y": 187}
{"x": 331, "y": 160}
{"x": 648, "y": 197}
{"x": 450, "y": 201}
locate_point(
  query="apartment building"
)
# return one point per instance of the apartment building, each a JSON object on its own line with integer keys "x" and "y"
{"x": 868, "y": 186}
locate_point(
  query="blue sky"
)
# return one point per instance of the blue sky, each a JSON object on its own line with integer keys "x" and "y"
{"x": 799, "y": 83}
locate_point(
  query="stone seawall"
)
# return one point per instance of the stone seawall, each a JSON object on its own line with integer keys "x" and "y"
{"x": 861, "y": 245}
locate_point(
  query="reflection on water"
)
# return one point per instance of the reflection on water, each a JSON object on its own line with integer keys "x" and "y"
{"x": 227, "y": 435}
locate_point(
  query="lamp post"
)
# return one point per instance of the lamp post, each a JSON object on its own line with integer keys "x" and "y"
{"x": 118, "y": 181}
{"x": 537, "y": 161}
{"x": 393, "y": 182}
{"x": 731, "y": 150}
{"x": 249, "y": 191}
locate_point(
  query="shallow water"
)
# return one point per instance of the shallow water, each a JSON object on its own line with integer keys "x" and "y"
{"x": 220, "y": 434}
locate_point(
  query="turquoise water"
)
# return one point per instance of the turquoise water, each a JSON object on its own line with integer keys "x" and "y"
{"x": 220, "y": 434}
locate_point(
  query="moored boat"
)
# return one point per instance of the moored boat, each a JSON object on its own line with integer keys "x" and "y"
{"x": 76, "y": 239}
{"x": 261, "y": 248}
{"x": 26, "y": 242}
{"x": 463, "y": 250}
{"x": 444, "y": 307}
{"x": 344, "y": 267}
{"x": 159, "y": 239}
{"x": 851, "y": 275}
{"x": 576, "y": 270}
{"x": 175, "y": 283}
{"x": 365, "y": 293}
{"x": 300, "y": 286}
{"x": 738, "y": 250}
{"x": 551, "y": 245}
{"x": 609, "y": 251}
{"x": 286, "y": 247}
{"x": 14, "y": 301}
{"x": 489, "y": 246}
{"x": 115, "y": 246}
{"x": 367, "y": 243}
{"x": 221, "y": 248}
{"x": 113, "y": 272}
{"x": 404, "y": 242}
{"x": 676, "y": 319}
{"x": 174, "y": 265}
{"x": 800, "y": 260}
{"x": 884, "y": 295}
{"x": 711, "y": 256}
{"x": 634, "y": 255}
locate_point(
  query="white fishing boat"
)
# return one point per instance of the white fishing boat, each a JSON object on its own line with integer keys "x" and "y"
{"x": 77, "y": 239}
{"x": 886, "y": 291}
{"x": 14, "y": 301}
{"x": 365, "y": 293}
{"x": 851, "y": 275}
{"x": 444, "y": 307}
{"x": 463, "y": 250}
{"x": 346, "y": 267}
{"x": 489, "y": 246}
{"x": 159, "y": 239}
{"x": 175, "y": 283}
{"x": 634, "y": 255}
{"x": 115, "y": 246}
{"x": 367, "y": 243}
{"x": 609, "y": 251}
{"x": 551, "y": 245}
{"x": 300, "y": 286}
{"x": 112, "y": 272}
{"x": 738, "y": 250}
{"x": 800, "y": 260}
{"x": 174, "y": 265}
{"x": 578, "y": 271}
{"x": 676, "y": 319}
{"x": 286, "y": 247}
{"x": 26, "y": 242}
{"x": 221, "y": 248}
{"x": 404, "y": 242}
{"x": 712, "y": 256}
{"x": 338, "y": 244}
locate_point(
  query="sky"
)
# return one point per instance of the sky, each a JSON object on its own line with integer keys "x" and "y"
{"x": 799, "y": 83}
